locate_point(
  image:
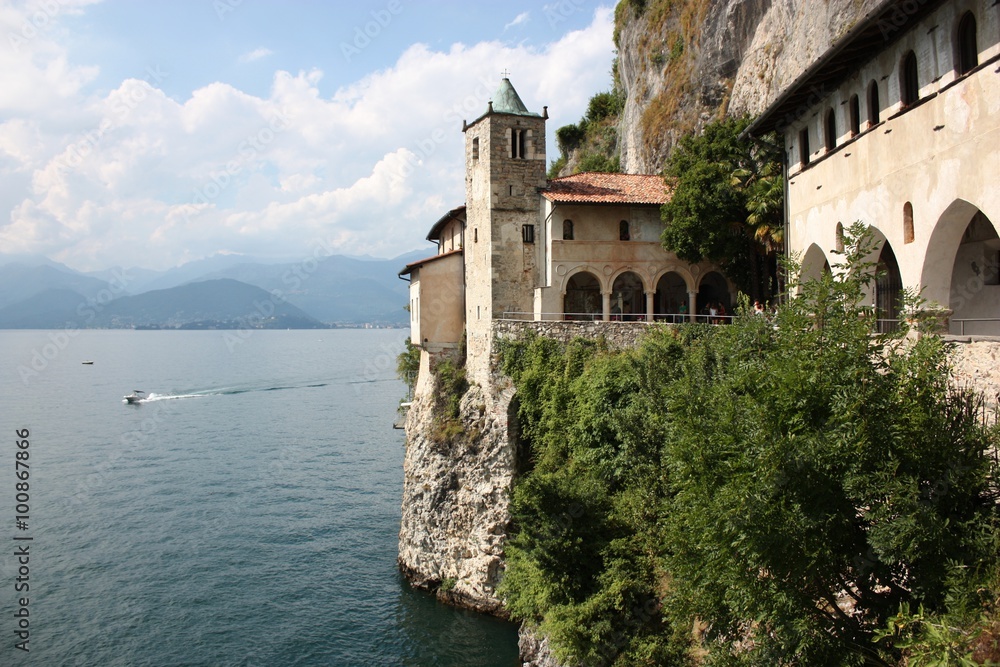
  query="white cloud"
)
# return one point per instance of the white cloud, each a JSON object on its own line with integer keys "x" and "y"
{"x": 256, "y": 54}
{"x": 523, "y": 17}
{"x": 136, "y": 177}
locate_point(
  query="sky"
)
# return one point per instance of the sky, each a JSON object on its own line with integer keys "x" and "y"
{"x": 148, "y": 133}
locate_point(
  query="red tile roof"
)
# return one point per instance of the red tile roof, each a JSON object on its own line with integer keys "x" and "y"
{"x": 601, "y": 188}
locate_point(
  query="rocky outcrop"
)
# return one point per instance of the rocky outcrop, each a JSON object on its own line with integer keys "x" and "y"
{"x": 534, "y": 650}
{"x": 684, "y": 67}
{"x": 458, "y": 474}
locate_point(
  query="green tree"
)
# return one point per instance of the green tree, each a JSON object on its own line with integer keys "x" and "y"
{"x": 783, "y": 486}
{"x": 726, "y": 204}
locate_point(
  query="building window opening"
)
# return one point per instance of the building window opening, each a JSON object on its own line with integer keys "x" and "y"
{"x": 873, "y": 104}
{"x": 854, "y": 109}
{"x": 907, "y": 222}
{"x": 910, "y": 81}
{"x": 840, "y": 237}
{"x": 528, "y": 233}
{"x": 831, "y": 130}
{"x": 623, "y": 231}
{"x": 804, "y": 146}
{"x": 516, "y": 143}
{"x": 968, "y": 52}
{"x": 475, "y": 148}
{"x": 567, "y": 230}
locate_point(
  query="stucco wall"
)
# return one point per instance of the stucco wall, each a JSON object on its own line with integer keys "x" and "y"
{"x": 941, "y": 155}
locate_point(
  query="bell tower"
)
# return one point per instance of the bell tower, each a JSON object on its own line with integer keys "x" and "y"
{"x": 504, "y": 169}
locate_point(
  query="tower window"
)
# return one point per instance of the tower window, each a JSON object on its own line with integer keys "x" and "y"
{"x": 623, "y": 231}
{"x": 475, "y": 148}
{"x": 528, "y": 233}
{"x": 909, "y": 81}
{"x": 567, "y": 230}
{"x": 831, "y": 130}
{"x": 968, "y": 52}
{"x": 517, "y": 143}
{"x": 804, "y": 146}
{"x": 873, "y": 104}
{"x": 854, "y": 109}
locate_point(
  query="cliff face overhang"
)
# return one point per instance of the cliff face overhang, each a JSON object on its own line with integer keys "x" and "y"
{"x": 458, "y": 476}
{"x": 735, "y": 60}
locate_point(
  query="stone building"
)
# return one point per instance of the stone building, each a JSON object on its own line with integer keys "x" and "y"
{"x": 581, "y": 247}
{"x": 898, "y": 125}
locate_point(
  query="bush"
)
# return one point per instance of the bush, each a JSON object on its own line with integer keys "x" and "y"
{"x": 783, "y": 485}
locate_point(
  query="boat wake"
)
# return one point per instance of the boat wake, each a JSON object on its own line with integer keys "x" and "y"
{"x": 154, "y": 397}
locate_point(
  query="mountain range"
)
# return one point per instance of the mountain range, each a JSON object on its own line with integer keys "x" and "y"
{"x": 224, "y": 291}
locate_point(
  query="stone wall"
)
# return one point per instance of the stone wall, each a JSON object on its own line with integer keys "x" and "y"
{"x": 619, "y": 335}
{"x": 976, "y": 365}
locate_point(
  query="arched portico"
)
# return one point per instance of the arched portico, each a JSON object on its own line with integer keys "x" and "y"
{"x": 961, "y": 271}
{"x": 814, "y": 263}
{"x": 628, "y": 301}
{"x": 582, "y": 297}
{"x": 713, "y": 288}
{"x": 672, "y": 297}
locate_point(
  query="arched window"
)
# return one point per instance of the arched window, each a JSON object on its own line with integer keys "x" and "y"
{"x": 623, "y": 231}
{"x": 475, "y": 148}
{"x": 804, "y": 146}
{"x": 831, "y": 130}
{"x": 968, "y": 52}
{"x": 873, "y": 105}
{"x": 909, "y": 81}
{"x": 854, "y": 108}
{"x": 567, "y": 230}
{"x": 840, "y": 237}
{"x": 907, "y": 222}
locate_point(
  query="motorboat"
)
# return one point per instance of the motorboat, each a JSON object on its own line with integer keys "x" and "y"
{"x": 137, "y": 396}
{"x": 87, "y": 363}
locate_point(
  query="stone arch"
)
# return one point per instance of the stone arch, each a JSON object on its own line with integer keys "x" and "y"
{"x": 942, "y": 247}
{"x": 713, "y": 287}
{"x": 814, "y": 263}
{"x": 672, "y": 288}
{"x": 582, "y": 298}
{"x": 628, "y": 296}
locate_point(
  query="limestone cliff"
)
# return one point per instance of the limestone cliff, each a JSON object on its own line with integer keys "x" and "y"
{"x": 458, "y": 474}
{"x": 685, "y": 64}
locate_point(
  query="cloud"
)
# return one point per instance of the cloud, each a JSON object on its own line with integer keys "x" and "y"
{"x": 136, "y": 177}
{"x": 521, "y": 18}
{"x": 256, "y": 54}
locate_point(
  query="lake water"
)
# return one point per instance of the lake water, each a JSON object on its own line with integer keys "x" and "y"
{"x": 247, "y": 514}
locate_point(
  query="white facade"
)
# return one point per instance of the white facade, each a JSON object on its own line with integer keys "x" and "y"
{"x": 906, "y": 140}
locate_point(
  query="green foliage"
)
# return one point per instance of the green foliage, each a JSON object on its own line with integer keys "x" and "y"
{"x": 783, "y": 485}
{"x": 408, "y": 364}
{"x": 599, "y": 162}
{"x": 556, "y": 166}
{"x": 726, "y": 204}
{"x": 605, "y": 105}
{"x": 569, "y": 137}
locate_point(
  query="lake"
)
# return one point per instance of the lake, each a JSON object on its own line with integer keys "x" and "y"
{"x": 247, "y": 513}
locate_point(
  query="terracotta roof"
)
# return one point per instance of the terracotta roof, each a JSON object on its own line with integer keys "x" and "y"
{"x": 600, "y": 188}
{"x": 408, "y": 269}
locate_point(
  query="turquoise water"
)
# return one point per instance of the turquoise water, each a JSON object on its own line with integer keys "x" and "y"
{"x": 247, "y": 514}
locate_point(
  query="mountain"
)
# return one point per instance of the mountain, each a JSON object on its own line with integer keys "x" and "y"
{"x": 20, "y": 281}
{"x": 38, "y": 293}
{"x": 336, "y": 288}
{"x": 208, "y": 304}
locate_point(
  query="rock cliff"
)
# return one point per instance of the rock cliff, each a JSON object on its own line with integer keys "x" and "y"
{"x": 685, "y": 64}
{"x": 458, "y": 474}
